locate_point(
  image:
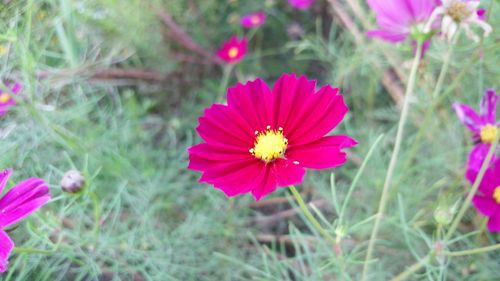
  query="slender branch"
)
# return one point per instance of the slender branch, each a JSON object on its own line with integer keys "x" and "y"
{"x": 395, "y": 153}
{"x": 310, "y": 216}
{"x": 474, "y": 189}
{"x": 473, "y": 251}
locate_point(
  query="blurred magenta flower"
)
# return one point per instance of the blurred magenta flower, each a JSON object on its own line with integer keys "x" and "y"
{"x": 461, "y": 13}
{"x": 487, "y": 201}
{"x": 252, "y": 20}
{"x": 22, "y": 200}
{"x": 483, "y": 125}
{"x": 301, "y": 4}
{"x": 397, "y": 19}
{"x": 481, "y": 14}
{"x": 233, "y": 50}
{"x": 6, "y": 101}
{"x": 264, "y": 139}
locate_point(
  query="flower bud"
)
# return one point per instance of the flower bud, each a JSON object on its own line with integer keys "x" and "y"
{"x": 72, "y": 181}
{"x": 443, "y": 216}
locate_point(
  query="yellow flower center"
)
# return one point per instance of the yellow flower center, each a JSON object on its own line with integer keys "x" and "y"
{"x": 233, "y": 52}
{"x": 255, "y": 19}
{"x": 458, "y": 11}
{"x": 4, "y": 98}
{"x": 489, "y": 133}
{"x": 496, "y": 194}
{"x": 3, "y": 50}
{"x": 269, "y": 145}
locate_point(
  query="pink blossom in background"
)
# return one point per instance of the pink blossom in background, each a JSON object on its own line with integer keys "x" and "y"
{"x": 6, "y": 101}
{"x": 487, "y": 200}
{"x": 233, "y": 50}
{"x": 19, "y": 202}
{"x": 483, "y": 125}
{"x": 397, "y": 18}
{"x": 253, "y": 20}
{"x": 481, "y": 14}
{"x": 301, "y": 4}
{"x": 265, "y": 138}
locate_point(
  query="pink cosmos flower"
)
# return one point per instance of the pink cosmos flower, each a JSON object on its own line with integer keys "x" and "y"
{"x": 233, "y": 50}
{"x": 19, "y": 202}
{"x": 6, "y": 101}
{"x": 252, "y": 20}
{"x": 483, "y": 126}
{"x": 264, "y": 139}
{"x": 487, "y": 201}
{"x": 398, "y": 18}
{"x": 301, "y": 4}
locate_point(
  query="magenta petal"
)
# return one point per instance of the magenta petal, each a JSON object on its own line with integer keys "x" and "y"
{"x": 323, "y": 112}
{"x": 387, "y": 35}
{"x": 221, "y": 125}
{"x": 287, "y": 173}
{"x": 266, "y": 186}
{"x": 234, "y": 178}
{"x": 489, "y": 106}
{"x": 477, "y": 157}
{"x": 22, "y": 200}
{"x": 322, "y": 154}
{"x": 468, "y": 117}
{"x": 486, "y": 205}
{"x": 248, "y": 100}
{"x": 288, "y": 96}
{"x": 6, "y": 246}
{"x": 4, "y": 177}
{"x": 494, "y": 222}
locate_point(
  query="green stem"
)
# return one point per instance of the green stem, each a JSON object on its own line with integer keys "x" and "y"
{"x": 412, "y": 269}
{"x": 430, "y": 110}
{"x": 97, "y": 215}
{"x": 473, "y": 190}
{"x": 226, "y": 74}
{"x": 392, "y": 164}
{"x": 310, "y": 216}
{"x": 19, "y": 250}
{"x": 356, "y": 178}
{"x": 473, "y": 251}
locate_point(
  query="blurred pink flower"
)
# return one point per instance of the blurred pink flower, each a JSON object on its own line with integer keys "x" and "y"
{"x": 233, "y": 50}
{"x": 487, "y": 200}
{"x": 252, "y": 20}
{"x": 483, "y": 125}
{"x": 19, "y": 202}
{"x": 397, "y": 19}
{"x": 301, "y": 4}
{"x": 6, "y": 101}
{"x": 264, "y": 139}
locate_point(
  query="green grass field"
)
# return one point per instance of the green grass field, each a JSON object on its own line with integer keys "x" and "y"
{"x": 109, "y": 90}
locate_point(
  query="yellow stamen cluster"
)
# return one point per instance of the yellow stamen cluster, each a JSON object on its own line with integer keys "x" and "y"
{"x": 488, "y": 133}
{"x": 496, "y": 194}
{"x": 233, "y": 52}
{"x": 4, "y": 98}
{"x": 269, "y": 144}
{"x": 458, "y": 11}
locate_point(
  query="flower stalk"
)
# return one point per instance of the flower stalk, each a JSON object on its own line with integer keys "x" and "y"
{"x": 395, "y": 153}
{"x": 310, "y": 217}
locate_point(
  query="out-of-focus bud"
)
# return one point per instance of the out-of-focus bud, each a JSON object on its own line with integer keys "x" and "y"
{"x": 444, "y": 214}
{"x": 295, "y": 31}
{"x": 72, "y": 181}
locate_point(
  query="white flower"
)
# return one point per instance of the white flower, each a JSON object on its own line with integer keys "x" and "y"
{"x": 459, "y": 13}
